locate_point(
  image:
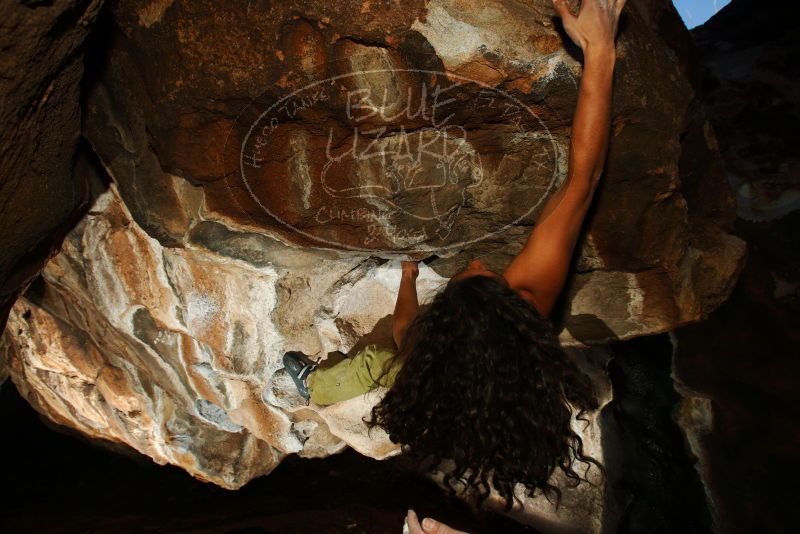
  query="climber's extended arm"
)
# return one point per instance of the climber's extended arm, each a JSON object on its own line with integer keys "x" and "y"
{"x": 405, "y": 309}
{"x": 539, "y": 271}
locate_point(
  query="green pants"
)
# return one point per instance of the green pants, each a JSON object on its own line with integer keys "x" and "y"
{"x": 352, "y": 376}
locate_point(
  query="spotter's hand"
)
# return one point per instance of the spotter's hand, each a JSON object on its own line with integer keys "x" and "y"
{"x": 428, "y": 526}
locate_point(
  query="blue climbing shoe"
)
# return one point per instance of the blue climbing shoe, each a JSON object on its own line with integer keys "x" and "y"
{"x": 299, "y": 366}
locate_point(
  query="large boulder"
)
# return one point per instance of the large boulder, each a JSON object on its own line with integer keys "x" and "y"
{"x": 178, "y": 353}
{"x": 272, "y": 164}
{"x": 437, "y": 129}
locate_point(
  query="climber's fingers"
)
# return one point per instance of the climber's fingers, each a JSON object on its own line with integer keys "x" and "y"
{"x": 562, "y": 8}
{"x": 410, "y": 267}
{"x": 418, "y": 256}
{"x": 619, "y": 6}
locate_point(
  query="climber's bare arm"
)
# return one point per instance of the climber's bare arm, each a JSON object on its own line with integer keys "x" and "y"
{"x": 405, "y": 309}
{"x": 540, "y": 270}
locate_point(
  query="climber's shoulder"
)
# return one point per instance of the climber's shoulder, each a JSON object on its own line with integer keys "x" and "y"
{"x": 537, "y": 302}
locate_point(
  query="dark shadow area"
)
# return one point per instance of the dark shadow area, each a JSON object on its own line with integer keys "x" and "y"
{"x": 60, "y": 483}
{"x": 744, "y": 359}
{"x": 653, "y": 486}
{"x": 98, "y": 46}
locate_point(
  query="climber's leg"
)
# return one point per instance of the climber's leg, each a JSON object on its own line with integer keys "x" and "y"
{"x": 350, "y": 377}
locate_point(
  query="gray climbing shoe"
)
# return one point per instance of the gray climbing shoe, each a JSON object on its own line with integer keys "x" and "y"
{"x": 299, "y": 366}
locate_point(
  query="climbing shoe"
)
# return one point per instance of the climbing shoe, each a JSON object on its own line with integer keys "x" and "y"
{"x": 299, "y": 366}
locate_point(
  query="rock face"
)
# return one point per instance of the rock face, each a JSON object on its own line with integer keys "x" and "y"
{"x": 437, "y": 129}
{"x": 270, "y": 164}
{"x": 41, "y": 194}
{"x": 191, "y": 339}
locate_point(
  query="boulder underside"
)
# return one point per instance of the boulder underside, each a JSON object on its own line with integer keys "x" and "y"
{"x": 269, "y": 170}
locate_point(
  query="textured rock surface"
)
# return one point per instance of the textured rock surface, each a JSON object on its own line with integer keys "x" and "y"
{"x": 170, "y": 353}
{"x": 167, "y": 311}
{"x": 374, "y": 161}
{"x": 41, "y": 195}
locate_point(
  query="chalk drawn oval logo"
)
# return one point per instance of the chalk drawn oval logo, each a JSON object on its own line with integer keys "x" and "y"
{"x": 396, "y": 161}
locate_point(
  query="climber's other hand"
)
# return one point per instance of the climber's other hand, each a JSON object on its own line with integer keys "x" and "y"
{"x": 595, "y": 24}
{"x": 410, "y": 268}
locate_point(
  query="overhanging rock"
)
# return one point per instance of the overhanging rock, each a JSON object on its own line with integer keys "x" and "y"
{"x": 228, "y": 237}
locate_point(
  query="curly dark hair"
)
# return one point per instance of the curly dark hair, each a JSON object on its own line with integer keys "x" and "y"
{"x": 485, "y": 386}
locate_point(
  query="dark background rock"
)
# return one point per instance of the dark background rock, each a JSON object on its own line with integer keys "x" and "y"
{"x": 739, "y": 369}
{"x": 751, "y": 64}
{"x": 42, "y": 195}
{"x": 653, "y": 481}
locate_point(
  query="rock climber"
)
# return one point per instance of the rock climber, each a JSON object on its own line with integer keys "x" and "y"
{"x": 479, "y": 378}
